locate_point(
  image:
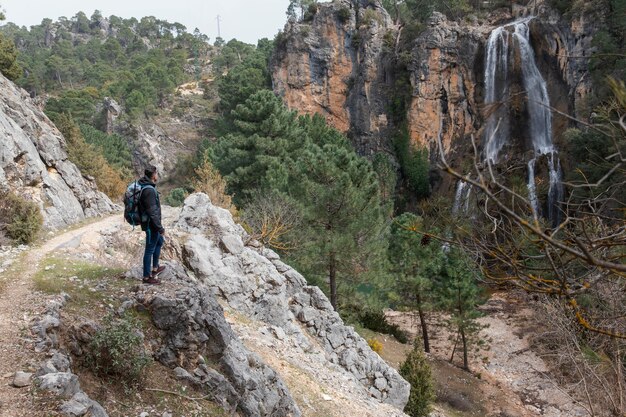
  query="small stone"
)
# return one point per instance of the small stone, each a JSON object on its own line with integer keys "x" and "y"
{"x": 144, "y": 414}
{"x": 279, "y": 333}
{"x": 326, "y": 397}
{"x": 380, "y": 384}
{"x": 166, "y": 414}
{"x": 21, "y": 379}
{"x": 232, "y": 244}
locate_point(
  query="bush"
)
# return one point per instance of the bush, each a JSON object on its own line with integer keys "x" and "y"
{"x": 20, "y": 219}
{"x": 310, "y": 12}
{"x": 370, "y": 16}
{"x": 343, "y": 14}
{"x": 375, "y": 345}
{"x": 209, "y": 181}
{"x": 417, "y": 372}
{"x": 176, "y": 197}
{"x": 89, "y": 160}
{"x": 116, "y": 349}
{"x": 376, "y": 321}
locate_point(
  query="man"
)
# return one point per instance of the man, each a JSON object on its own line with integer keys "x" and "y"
{"x": 150, "y": 209}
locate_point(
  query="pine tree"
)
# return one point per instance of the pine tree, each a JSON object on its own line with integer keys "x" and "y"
{"x": 8, "y": 57}
{"x": 417, "y": 261}
{"x": 417, "y": 372}
{"x": 343, "y": 216}
{"x": 459, "y": 295}
{"x": 263, "y": 136}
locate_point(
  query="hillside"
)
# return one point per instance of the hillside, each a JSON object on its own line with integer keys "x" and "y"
{"x": 394, "y": 207}
{"x": 122, "y": 77}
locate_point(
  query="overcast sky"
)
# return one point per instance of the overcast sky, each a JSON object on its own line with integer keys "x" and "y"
{"x": 246, "y": 20}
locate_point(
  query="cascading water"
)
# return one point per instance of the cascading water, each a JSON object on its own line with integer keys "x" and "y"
{"x": 496, "y": 91}
{"x": 555, "y": 193}
{"x": 502, "y": 42}
{"x": 461, "y": 197}
{"x": 458, "y": 197}
{"x": 532, "y": 189}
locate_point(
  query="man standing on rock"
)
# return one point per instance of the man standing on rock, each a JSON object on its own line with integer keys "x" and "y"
{"x": 150, "y": 209}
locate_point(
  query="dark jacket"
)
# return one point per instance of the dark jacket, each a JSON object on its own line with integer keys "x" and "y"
{"x": 150, "y": 205}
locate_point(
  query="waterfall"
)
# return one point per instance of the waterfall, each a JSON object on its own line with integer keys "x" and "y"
{"x": 555, "y": 193}
{"x": 540, "y": 116}
{"x": 458, "y": 196}
{"x": 461, "y": 197}
{"x": 497, "y": 132}
{"x": 496, "y": 91}
{"x": 532, "y": 189}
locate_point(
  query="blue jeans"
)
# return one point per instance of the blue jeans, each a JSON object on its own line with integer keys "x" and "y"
{"x": 154, "y": 241}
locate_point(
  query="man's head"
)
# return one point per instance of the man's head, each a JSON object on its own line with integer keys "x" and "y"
{"x": 151, "y": 173}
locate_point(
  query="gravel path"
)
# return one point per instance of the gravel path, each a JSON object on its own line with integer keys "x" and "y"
{"x": 19, "y": 304}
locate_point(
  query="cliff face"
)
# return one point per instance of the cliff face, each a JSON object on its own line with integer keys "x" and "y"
{"x": 334, "y": 65}
{"x": 33, "y": 163}
{"x": 445, "y": 75}
{"x": 446, "y": 72}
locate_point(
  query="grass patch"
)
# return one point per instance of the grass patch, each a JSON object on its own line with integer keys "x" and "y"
{"x": 77, "y": 278}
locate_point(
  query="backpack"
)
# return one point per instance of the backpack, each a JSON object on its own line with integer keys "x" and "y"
{"x": 132, "y": 197}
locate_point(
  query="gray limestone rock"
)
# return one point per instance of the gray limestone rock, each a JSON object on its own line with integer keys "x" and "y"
{"x": 232, "y": 244}
{"x": 193, "y": 325}
{"x": 34, "y": 163}
{"x": 255, "y": 282}
{"x": 21, "y": 379}
{"x": 63, "y": 384}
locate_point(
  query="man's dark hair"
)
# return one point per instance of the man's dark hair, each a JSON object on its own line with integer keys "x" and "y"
{"x": 150, "y": 170}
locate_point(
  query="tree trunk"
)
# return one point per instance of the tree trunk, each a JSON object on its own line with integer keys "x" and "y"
{"x": 465, "y": 362}
{"x": 456, "y": 342}
{"x": 332, "y": 279}
{"x": 420, "y": 311}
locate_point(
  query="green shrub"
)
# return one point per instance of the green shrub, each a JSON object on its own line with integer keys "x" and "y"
{"x": 343, "y": 14}
{"x": 356, "y": 39}
{"x": 20, "y": 219}
{"x": 176, "y": 197}
{"x": 116, "y": 349}
{"x": 375, "y": 320}
{"x": 414, "y": 162}
{"x": 310, "y": 12}
{"x": 417, "y": 372}
{"x": 370, "y": 16}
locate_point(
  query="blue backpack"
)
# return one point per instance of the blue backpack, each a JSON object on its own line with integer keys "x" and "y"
{"x": 132, "y": 198}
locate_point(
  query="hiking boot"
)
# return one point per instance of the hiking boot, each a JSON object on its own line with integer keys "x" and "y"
{"x": 151, "y": 281}
{"x": 156, "y": 272}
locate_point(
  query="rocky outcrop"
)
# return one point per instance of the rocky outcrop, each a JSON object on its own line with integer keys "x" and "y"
{"x": 255, "y": 282}
{"x": 194, "y": 327}
{"x": 55, "y": 375}
{"x": 334, "y": 65}
{"x": 34, "y": 163}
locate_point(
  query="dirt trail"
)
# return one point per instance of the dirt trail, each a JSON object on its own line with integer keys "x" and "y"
{"x": 20, "y": 303}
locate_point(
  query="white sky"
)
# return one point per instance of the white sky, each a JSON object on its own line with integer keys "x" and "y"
{"x": 246, "y": 20}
